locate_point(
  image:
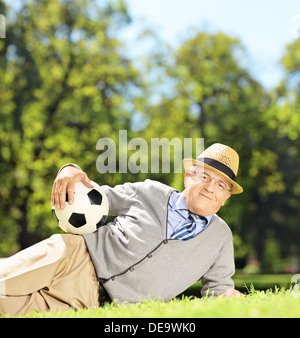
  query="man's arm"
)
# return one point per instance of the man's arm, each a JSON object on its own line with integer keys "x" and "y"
{"x": 217, "y": 280}
{"x": 64, "y": 183}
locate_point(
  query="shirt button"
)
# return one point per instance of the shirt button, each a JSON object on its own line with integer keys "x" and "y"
{"x": 165, "y": 241}
{"x": 131, "y": 269}
{"x": 149, "y": 255}
{"x": 112, "y": 278}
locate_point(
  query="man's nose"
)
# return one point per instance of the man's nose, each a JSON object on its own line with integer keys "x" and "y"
{"x": 210, "y": 186}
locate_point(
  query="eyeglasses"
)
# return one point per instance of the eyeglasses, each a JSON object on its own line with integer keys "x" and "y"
{"x": 205, "y": 178}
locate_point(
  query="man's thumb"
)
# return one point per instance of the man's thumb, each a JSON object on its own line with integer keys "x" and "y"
{"x": 87, "y": 182}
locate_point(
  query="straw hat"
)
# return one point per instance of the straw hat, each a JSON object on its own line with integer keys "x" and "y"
{"x": 221, "y": 158}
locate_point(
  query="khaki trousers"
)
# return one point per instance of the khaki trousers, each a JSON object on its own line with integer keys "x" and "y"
{"x": 55, "y": 274}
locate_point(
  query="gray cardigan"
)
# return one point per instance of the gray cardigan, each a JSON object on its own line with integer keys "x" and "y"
{"x": 134, "y": 260}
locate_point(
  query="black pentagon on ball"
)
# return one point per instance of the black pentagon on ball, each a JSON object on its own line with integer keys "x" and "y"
{"x": 77, "y": 220}
{"x": 54, "y": 215}
{"x": 95, "y": 197}
{"x": 101, "y": 222}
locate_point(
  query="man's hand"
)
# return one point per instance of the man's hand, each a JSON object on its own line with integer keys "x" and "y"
{"x": 231, "y": 293}
{"x": 65, "y": 183}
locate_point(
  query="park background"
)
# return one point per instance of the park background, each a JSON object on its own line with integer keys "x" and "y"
{"x": 73, "y": 72}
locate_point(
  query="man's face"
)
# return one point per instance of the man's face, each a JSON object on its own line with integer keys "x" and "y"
{"x": 205, "y": 198}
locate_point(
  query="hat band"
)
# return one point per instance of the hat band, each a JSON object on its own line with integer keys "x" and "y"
{"x": 219, "y": 166}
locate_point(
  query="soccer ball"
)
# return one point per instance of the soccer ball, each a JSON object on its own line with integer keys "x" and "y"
{"x": 87, "y": 213}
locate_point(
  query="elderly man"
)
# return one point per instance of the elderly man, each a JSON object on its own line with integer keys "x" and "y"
{"x": 160, "y": 243}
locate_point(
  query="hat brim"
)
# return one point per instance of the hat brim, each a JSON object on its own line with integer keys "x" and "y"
{"x": 236, "y": 188}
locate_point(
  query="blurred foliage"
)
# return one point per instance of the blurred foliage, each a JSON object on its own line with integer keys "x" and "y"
{"x": 64, "y": 84}
{"x": 67, "y": 80}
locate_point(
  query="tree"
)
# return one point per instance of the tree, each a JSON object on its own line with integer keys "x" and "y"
{"x": 64, "y": 84}
{"x": 283, "y": 121}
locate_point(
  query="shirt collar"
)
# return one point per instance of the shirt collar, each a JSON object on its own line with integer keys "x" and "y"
{"x": 179, "y": 203}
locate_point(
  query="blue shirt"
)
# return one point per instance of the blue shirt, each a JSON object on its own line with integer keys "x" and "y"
{"x": 178, "y": 215}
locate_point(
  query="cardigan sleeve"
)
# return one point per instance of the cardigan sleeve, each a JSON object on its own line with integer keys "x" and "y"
{"x": 119, "y": 197}
{"x": 72, "y": 164}
{"x": 218, "y": 278}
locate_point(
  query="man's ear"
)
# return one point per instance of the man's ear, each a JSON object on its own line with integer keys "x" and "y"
{"x": 186, "y": 176}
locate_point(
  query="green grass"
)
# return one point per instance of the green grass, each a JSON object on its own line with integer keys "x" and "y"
{"x": 276, "y": 300}
{"x": 243, "y": 283}
{"x": 262, "y": 282}
{"x": 262, "y": 304}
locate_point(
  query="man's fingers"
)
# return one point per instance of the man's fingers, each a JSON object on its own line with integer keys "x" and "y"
{"x": 66, "y": 185}
{"x": 231, "y": 293}
{"x": 87, "y": 182}
{"x": 56, "y": 195}
{"x": 70, "y": 191}
{"x": 71, "y": 187}
{"x": 62, "y": 195}
{"x": 53, "y": 195}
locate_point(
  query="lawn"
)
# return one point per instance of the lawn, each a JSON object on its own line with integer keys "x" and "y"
{"x": 244, "y": 282}
{"x": 265, "y": 296}
{"x": 263, "y": 304}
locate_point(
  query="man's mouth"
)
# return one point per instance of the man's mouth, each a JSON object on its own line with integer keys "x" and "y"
{"x": 205, "y": 196}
